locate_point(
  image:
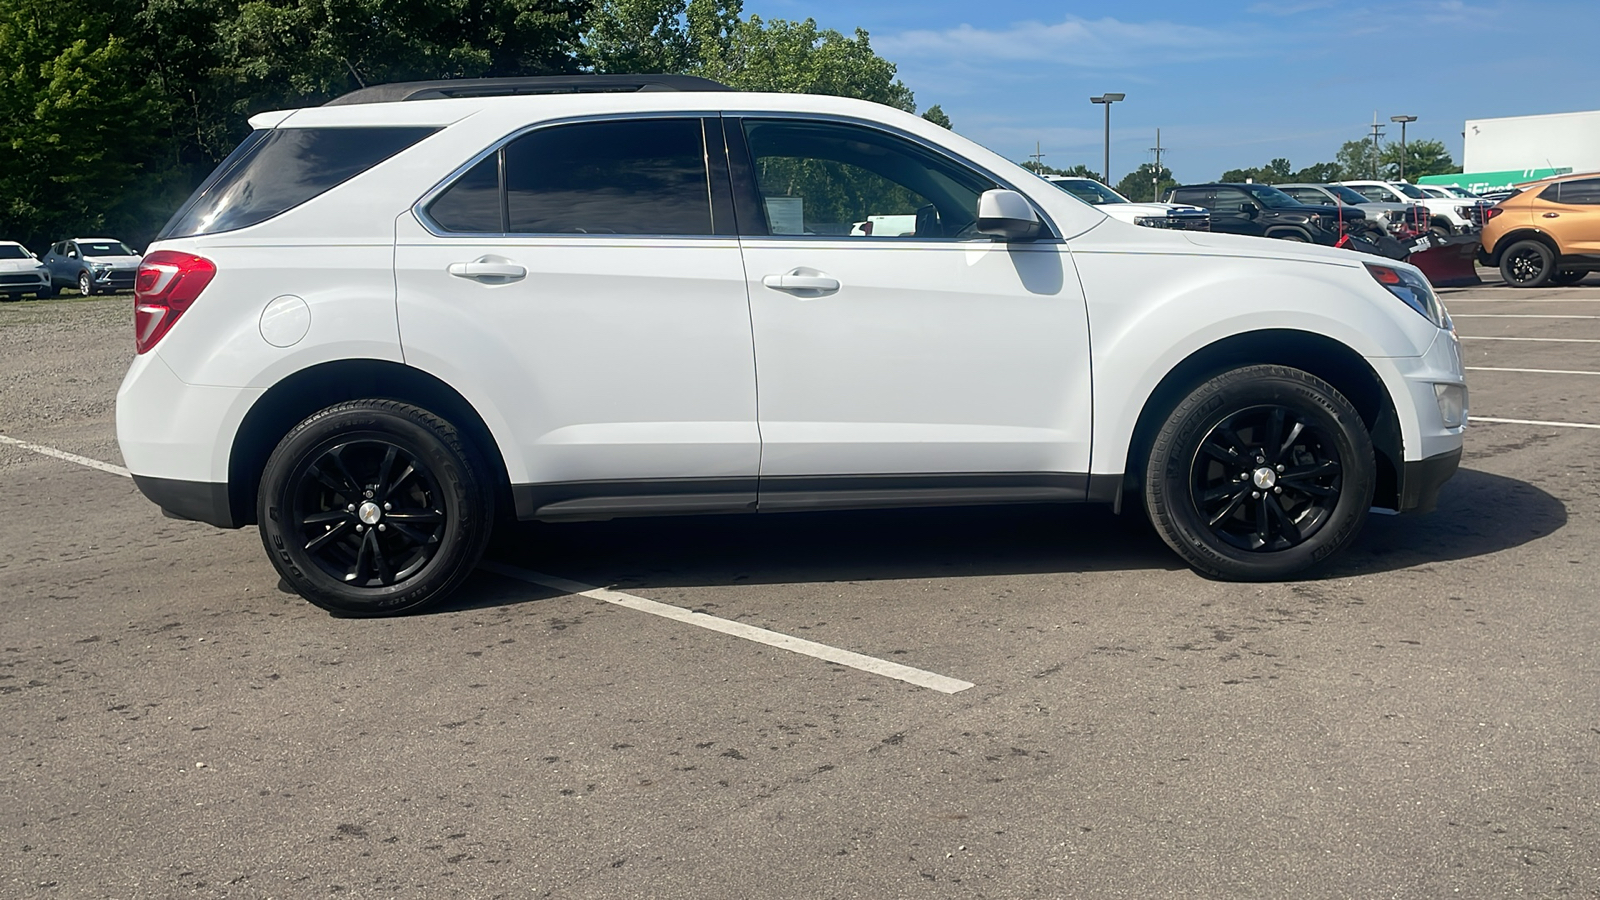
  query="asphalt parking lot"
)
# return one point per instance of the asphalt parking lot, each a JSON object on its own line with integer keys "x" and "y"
{"x": 1421, "y": 720}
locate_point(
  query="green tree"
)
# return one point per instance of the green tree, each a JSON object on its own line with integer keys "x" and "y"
{"x": 1357, "y": 160}
{"x": 1318, "y": 173}
{"x": 1278, "y": 171}
{"x": 937, "y": 116}
{"x": 80, "y": 143}
{"x": 1424, "y": 157}
{"x": 1141, "y": 185}
{"x": 1078, "y": 171}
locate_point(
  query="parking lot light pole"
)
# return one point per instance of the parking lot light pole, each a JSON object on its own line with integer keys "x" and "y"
{"x": 1108, "y": 99}
{"x": 1402, "y": 120}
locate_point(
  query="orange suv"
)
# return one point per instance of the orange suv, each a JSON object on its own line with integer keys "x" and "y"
{"x": 1548, "y": 233}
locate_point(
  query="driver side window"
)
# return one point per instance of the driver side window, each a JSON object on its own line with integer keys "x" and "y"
{"x": 833, "y": 180}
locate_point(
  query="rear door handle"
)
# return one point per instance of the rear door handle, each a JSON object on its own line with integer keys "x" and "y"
{"x": 487, "y": 269}
{"x": 1552, "y": 215}
{"x": 795, "y": 281}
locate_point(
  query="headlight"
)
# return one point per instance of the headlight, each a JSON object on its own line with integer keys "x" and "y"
{"x": 1413, "y": 290}
{"x": 100, "y": 267}
{"x": 1151, "y": 221}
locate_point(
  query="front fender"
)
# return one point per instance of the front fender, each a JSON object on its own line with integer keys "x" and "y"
{"x": 1148, "y": 313}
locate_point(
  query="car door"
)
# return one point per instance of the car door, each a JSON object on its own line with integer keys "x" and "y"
{"x": 577, "y": 283}
{"x": 1571, "y": 211}
{"x": 1242, "y": 213}
{"x": 936, "y": 365}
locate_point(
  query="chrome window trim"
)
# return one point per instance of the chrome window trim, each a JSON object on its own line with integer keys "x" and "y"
{"x": 1044, "y": 217}
{"x": 419, "y": 209}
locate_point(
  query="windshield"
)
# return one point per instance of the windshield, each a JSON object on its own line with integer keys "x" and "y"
{"x": 1271, "y": 197}
{"x": 12, "y": 251}
{"x": 1346, "y": 195}
{"x": 1410, "y": 190}
{"x": 1460, "y": 192}
{"x": 1091, "y": 192}
{"x": 105, "y": 248}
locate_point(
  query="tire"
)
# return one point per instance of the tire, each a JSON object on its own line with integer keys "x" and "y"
{"x": 46, "y": 292}
{"x": 1441, "y": 229}
{"x": 10, "y": 298}
{"x": 1568, "y": 277}
{"x": 1527, "y": 264}
{"x": 1212, "y": 471}
{"x": 85, "y": 285}
{"x": 339, "y": 471}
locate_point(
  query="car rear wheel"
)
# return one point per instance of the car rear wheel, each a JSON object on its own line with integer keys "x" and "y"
{"x": 1527, "y": 264}
{"x": 1567, "y": 277}
{"x": 374, "y": 507}
{"x": 1259, "y": 474}
{"x": 85, "y": 285}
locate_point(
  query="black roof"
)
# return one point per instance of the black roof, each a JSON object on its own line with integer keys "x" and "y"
{"x": 507, "y": 87}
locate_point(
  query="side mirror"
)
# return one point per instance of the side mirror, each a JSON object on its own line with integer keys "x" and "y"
{"x": 1007, "y": 215}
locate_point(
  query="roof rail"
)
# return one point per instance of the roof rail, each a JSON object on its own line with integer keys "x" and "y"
{"x": 508, "y": 87}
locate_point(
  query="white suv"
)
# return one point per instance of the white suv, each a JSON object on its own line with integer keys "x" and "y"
{"x": 385, "y": 322}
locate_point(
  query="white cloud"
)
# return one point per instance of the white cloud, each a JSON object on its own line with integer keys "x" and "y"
{"x": 1093, "y": 43}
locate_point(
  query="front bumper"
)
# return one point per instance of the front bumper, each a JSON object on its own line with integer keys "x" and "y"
{"x": 1422, "y": 479}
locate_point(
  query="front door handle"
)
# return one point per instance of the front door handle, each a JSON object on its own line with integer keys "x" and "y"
{"x": 1552, "y": 215}
{"x": 488, "y": 270}
{"x": 799, "y": 281}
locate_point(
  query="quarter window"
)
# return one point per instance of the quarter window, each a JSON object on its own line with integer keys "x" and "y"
{"x": 472, "y": 205}
{"x": 825, "y": 179}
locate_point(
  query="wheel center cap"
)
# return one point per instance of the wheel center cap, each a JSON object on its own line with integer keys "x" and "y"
{"x": 1263, "y": 477}
{"x": 370, "y": 512}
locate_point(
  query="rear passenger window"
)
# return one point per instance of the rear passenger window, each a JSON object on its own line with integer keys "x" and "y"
{"x": 1581, "y": 193}
{"x": 278, "y": 169}
{"x": 646, "y": 176}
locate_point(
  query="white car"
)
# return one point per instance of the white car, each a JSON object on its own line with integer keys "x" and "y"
{"x": 22, "y": 273}
{"x": 384, "y": 322}
{"x": 1150, "y": 215}
{"x": 1450, "y": 214}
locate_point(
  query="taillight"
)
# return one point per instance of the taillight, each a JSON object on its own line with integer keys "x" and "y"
{"x": 1491, "y": 212}
{"x": 167, "y": 283}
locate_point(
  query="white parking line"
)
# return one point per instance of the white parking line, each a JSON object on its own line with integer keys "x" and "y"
{"x": 69, "y": 457}
{"x": 941, "y": 683}
{"x": 1478, "y": 337}
{"x": 1515, "y": 316}
{"x": 919, "y": 677}
{"x": 1532, "y": 371}
{"x": 1533, "y": 422}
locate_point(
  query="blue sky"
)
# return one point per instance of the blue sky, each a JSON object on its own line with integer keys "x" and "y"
{"x": 1229, "y": 84}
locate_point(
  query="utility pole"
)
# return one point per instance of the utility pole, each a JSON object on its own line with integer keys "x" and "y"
{"x": 1038, "y": 158}
{"x": 1403, "y": 120}
{"x": 1377, "y": 132}
{"x": 1155, "y": 177}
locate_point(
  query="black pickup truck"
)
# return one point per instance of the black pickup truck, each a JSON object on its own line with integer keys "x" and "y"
{"x": 1263, "y": 210}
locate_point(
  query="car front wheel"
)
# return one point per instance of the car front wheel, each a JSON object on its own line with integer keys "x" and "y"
{"x": 1260, "y": 473}
{"x": 374, "y": 507}
{"x": 85, "y": 284}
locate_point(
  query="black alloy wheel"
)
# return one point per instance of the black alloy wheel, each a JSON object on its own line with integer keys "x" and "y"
{"x": 1260, "y": 473}
{"x": 374, "y": 507}
{"x": 1266, "y": 478}
{"x": 369, "y": 513}
{"x": 1568, "y": 277}
{"x": 1527, "y": 264}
